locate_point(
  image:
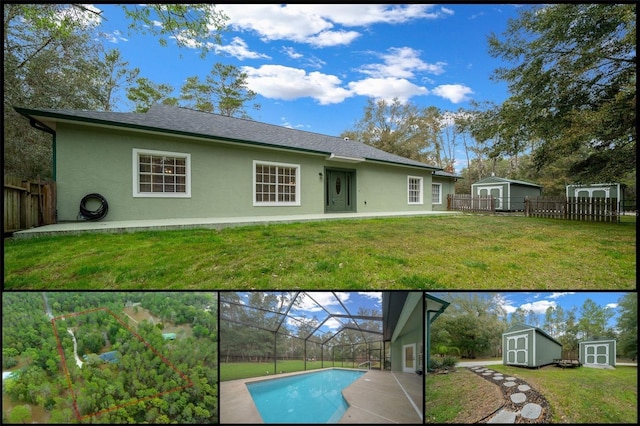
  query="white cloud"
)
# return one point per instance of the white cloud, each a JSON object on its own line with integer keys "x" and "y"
{"x": 280, "y": 82}
{"x": 315, "y": 24}
{"x": 291, "y": 52}
{"x": 238, "y": 49}
{"x": 375, "y": 295}
{"x": 539, "y": 307}
{"x": 387, "y": 88}
{"x": 333, "y": 38}
{"x": 114, "y": 37}
{"x": 560, "y": 294}
{"x": 611, "y": 305}
{"x": 401, "y": 62}
{"x": 456, "y": 93}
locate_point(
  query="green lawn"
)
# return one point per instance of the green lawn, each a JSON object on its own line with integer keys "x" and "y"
{"x": 452, "y": 252}
{"x": 575, "y": 395}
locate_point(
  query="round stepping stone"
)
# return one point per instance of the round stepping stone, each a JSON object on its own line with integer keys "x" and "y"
{"x": 518, "y": 397}
{"x": 513, "y": 379}
{"x": 524, "y": 388}
{"x": 509, "y": 384}
{"x": 498, "y": 377}
{"x": 487, "y": 374}
{"x": 531, "y": 411}
{"x": 504, "y": 416}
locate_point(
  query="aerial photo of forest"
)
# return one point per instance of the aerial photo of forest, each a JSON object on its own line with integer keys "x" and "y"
{"x": 109, "y": 357}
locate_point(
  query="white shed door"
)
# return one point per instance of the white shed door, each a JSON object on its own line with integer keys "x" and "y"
{"x": 596, "y": 353}
{"x": 518, "y": 349}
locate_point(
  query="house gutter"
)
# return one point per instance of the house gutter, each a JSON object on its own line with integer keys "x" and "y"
{"x": 429, "y": 319}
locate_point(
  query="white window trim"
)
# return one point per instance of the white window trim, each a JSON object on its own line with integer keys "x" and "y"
{"x": 275, "y": 203}
{"x": 421, "y": 180}
{"x": 136, "y": 174}
{"x": 439, "y": 201}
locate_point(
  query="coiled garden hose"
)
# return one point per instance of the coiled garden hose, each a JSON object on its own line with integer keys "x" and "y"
{"x": 97, "y": 214}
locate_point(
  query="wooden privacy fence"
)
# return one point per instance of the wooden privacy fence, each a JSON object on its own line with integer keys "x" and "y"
{"x": 573, "y": 208}
{"x": 471, "y": 203}
{"x": 28, "y": 203}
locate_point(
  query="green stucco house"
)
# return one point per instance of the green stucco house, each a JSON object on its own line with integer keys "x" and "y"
{"x": 174, "y": 162}
{"x": 402, "y": 313}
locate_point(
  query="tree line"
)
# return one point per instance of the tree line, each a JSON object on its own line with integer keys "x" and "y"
{"x": 473, "y": 323}
{"x": 258, "y": 329}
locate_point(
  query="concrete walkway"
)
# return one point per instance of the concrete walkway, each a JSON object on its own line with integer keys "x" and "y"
{"x": 376, "y": 397}
{"x": 206, "y": 222}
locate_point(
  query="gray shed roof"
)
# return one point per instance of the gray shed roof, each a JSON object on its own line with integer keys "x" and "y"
{"x": 187, "y": 122}
{"x": 519, "y": 326}
{"x": 494, "y": 179}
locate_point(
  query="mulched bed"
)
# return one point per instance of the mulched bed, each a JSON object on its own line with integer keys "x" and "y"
{"x": 533, "y": 396}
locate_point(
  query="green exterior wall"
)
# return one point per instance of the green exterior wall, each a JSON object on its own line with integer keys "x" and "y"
{"x": 99, "y": 160}
{"x": 448, "y": 187}
{"x": 411, "y": 332}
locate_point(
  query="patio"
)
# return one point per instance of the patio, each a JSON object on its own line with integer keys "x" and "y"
{"x": 377, "y": 397}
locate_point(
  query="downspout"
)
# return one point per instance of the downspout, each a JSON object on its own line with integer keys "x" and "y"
{"x": 428, "y": 342}
{"x": 40, "y": 126}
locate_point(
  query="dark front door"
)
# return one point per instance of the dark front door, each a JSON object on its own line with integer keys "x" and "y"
{"x": 339, "y": 191}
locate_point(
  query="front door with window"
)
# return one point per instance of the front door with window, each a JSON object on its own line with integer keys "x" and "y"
{"x": 409, "y": 358}
{"x": 339, "y": 191}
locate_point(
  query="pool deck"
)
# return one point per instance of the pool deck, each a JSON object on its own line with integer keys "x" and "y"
{"x": 376, "y": 397}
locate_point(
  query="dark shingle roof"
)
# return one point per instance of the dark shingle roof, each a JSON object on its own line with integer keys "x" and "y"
{"x": 184, "y": 121}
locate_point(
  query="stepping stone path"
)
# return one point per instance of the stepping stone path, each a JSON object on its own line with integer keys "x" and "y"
{"x": 522, "y": 403}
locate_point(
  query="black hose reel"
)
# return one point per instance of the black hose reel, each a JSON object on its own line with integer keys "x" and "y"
{"x": 97, "y": 214}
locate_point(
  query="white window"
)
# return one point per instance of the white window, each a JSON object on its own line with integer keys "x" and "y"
{"x": 161, "y": 174}
{"x": 276, "y": 184}
{"x": 436, "y": 193}
{"x": 415, "y": 190}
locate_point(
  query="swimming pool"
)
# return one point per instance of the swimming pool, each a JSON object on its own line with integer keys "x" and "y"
{"x": 304, "y": 398}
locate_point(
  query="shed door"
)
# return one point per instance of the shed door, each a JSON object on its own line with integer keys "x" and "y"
{"x": 495, "y": 192}
{"x": 596, "y": 353}
{"x": 517, "y": 351}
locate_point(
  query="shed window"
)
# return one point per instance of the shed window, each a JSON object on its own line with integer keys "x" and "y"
{"x": 414, "y": 189}
{"x": 276, "y": 184}
{"x": 436, "y": 193}
{"x": 161, "y": 174}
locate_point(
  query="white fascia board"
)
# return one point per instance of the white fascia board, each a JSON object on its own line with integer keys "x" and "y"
{"x": 334, "y": 157}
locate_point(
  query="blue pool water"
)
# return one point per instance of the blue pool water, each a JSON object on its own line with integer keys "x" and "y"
{"x": 305, "y": 398}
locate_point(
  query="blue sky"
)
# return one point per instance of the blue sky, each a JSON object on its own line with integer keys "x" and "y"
{"x": 539, "y": 301}
{"x": 315, "y": 66}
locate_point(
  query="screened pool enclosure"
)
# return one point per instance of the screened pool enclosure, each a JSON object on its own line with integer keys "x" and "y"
{"x": 301, "y": 330}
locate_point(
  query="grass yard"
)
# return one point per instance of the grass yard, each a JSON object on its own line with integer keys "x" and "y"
{"x": 243, "y": 370}
{"x": 469, "y": 252}
{"x": 575, "y": 395}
